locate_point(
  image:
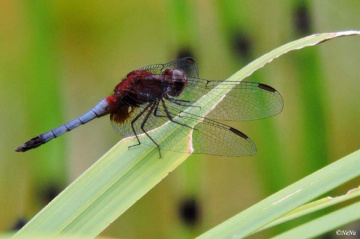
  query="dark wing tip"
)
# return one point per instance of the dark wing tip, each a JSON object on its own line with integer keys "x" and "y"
{"x": 189, "y": 59}
{"x": 237, "y": 132}
{"x": 279, "y": 98}
{"x": 266, "y": 87}
{"x": 241, "y": 134}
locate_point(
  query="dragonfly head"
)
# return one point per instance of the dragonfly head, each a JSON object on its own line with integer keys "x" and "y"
{"x": 176, "y": 81}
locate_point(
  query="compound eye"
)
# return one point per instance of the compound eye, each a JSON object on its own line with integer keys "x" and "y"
{"x": 178, "y": 74}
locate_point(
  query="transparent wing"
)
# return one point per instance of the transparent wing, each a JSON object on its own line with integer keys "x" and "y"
{"x": 187, "y": 65}
{"x": 122, "y": 118}
{"x": 246, "y": 101}
{"x": 207, "y": 137}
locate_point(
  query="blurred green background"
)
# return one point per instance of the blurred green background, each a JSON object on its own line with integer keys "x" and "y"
{"x": 59, "y": 58}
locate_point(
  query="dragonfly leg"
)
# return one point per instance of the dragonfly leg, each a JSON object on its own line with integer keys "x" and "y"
{"x": 156, "y": 110}
{"x": 169, "y": 115}
{"x": 132, "y": 124}
{"x": 179, "y": 102}
{"x": 144, "y": 122}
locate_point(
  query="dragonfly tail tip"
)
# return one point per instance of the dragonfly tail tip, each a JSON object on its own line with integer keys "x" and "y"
{"x": 20, "y": 148}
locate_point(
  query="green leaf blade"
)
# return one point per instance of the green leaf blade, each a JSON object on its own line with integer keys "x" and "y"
{"x": 333, "y": 220}
{"x": 313, "y": 207}
{"x": 293, "y": 196}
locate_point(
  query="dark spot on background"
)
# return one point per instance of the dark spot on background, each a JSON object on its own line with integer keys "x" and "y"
{"x": 18, "y": 224}
{"x": 189, "y": 211}
{"x": 184, "y": 52}
{"x": 241, "y": 45}
{"x": 302, "y": 19}
{"x": 49, "y": 193}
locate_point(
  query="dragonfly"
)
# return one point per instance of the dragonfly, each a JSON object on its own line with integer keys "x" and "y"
{"x": 158, "y": 95}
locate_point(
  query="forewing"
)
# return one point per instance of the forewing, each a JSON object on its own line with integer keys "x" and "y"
{"x": 154, "y": 69}
{"x": 246, "y": 101}
{"x": 187, "y": 65}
